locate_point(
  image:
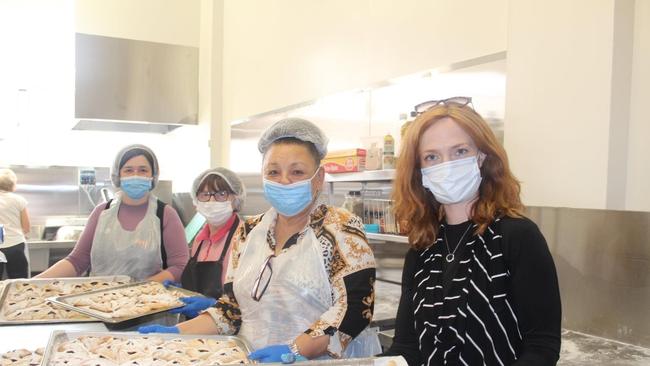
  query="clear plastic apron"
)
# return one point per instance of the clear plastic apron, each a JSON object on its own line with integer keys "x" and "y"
{"x": 299, "y": 292}
{"x": 116, "y": 251}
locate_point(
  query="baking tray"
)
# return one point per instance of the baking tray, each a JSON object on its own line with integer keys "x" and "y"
{"x": 63, "y": 302}
{"x": 9, "y": 284}
{"x": 58, "y": 336}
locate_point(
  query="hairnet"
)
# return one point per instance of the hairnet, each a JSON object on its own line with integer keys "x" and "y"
{"x": 297, "y": 128}
{"x": 234, "y": 182}
{"x": 115, "y": 169}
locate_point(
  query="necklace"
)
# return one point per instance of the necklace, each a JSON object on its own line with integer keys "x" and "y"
{"x": 450, "y": 256}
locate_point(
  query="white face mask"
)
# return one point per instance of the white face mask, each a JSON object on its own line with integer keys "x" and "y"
{"x": 454, "y": 181}
{"x": 216, "y": 213}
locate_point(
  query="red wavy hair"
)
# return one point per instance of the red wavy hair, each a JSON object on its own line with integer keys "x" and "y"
{"x": 417, "y": 208}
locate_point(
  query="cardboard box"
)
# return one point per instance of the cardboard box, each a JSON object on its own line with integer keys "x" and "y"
{"x": 345, "y": 161}
{"x": 345, "y": 153}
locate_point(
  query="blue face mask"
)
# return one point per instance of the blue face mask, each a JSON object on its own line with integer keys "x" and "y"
{"x": 290, "y": 199}
{"x": 135, "y": 187}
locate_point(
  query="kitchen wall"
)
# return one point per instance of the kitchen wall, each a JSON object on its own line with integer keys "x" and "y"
{"x": 576, "y": 119}
{"x": 38, "y": 56}
{"x": 638, "y": 169}
{"x": 164, "y": 21}
{"x": 558, "y": 100}
{"x": 211, "y": 80}
{"x": 36, "y": 67}
{"x": 602, "y": 259}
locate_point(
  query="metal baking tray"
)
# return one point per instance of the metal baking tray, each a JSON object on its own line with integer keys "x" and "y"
{"x": 9, "y": 284}
{"x": 368, "y": 361}
{"x": 59, "y": 336}
{"x": 63, "y": 301}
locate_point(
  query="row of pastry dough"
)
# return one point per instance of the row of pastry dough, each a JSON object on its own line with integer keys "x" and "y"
{"x": 22, "y": 357}
{"x": 129, "y": 301}
{"x": 154, "y": 351}
{"x": 27, "y": 301}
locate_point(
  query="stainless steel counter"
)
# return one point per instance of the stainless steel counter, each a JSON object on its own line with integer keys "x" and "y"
{"x": 50, "y": 244}
{"x": 31, "y": 337}
{"x": 35, "y": 336}
{"x": 41, "y": 250}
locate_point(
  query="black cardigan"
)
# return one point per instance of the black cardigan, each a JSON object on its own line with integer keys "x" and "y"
{"x": 532, "y": 290}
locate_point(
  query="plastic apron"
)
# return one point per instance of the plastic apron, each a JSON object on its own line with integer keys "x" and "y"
{"x": 298, "y": 293}
{"x": 116, "y": 251}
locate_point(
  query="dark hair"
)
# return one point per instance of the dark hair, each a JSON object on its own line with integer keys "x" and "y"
{"x": 215, "y": 182}
{"x": 294, "y": 141}
{"x": 137, "y": 152}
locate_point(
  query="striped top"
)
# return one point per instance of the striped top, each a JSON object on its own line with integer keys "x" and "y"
{"x": 484, "y": 314}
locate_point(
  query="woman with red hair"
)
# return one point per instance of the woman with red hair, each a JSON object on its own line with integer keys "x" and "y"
{"x": 479, "y": 285}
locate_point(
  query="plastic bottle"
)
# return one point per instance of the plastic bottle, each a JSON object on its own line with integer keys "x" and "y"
{"x": 348, "y": 203}
{"x": 389, "y": 152}
{"x": 405, "y": 123}
{"x": 354, "y": 203}
{"x": 373, "y": 158}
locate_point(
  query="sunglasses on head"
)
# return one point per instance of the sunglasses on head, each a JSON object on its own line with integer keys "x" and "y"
{"x": 457, "y": 101}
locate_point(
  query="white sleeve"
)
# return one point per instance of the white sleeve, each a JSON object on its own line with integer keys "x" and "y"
{"x": 21, "y": 203}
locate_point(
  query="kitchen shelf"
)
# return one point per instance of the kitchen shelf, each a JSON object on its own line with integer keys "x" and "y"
{"x": 365, "y": 177}
{"x": 388, "y": 237}
{"x": 386, "y": 175}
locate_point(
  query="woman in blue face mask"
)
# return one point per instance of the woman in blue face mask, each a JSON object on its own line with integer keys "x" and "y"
{"x": 134, "y": 234}
{"x": 300, "y": 281}
{"x": 479, "y": 285}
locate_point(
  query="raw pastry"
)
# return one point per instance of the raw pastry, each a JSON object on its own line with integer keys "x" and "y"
{"x": 129, "y": 301}
{"x": 22, "y": 357}
{"x": 146, "y": 350}
{"x": 26, "y": 301}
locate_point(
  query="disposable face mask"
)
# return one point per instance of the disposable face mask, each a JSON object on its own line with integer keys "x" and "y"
{"x": 289, "y": 199}
{"x": 217, "y": 213}
{"x": 454, "y": 181}
{"x": 136, "y": 186}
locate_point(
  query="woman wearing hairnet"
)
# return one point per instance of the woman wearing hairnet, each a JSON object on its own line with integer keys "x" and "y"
{"x": 300, "y": 281}
{"x": 134, "y": 234}
{"x": 218, "y": 195}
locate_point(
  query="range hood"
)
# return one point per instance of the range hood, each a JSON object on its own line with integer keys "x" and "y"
{"x": 134, "y": 86}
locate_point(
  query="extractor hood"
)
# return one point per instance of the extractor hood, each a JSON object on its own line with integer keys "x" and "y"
{"x": 134, "y": 86}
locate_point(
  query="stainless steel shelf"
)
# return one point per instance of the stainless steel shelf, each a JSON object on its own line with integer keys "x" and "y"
{"x": 388, "y": 237}
{"x": 365, "y": 176}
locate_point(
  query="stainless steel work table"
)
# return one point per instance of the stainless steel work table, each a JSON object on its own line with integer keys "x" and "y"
{"x": 39, "y": 252}
{"x": 35, "y": 336}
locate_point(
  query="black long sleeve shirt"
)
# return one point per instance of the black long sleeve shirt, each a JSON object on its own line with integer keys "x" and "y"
{"x": 533, "y": 290}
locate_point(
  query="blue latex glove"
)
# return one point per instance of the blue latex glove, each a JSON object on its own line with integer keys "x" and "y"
{"x": 193, "y": 305}
{"x": 291, "y": 358}
{"x": 168, "y": 283}
{"x": 157, "y": 328}
{"x": 270, "y": 353}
